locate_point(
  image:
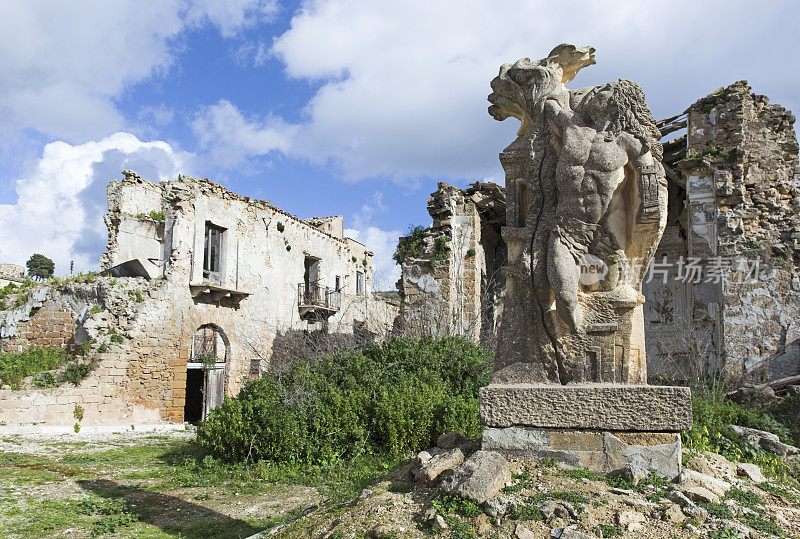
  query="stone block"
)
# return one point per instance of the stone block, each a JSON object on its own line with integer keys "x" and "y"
{"x": 616, "y": 407}
{"x": 595, "y": 450}
{"x": 480, "y": 477}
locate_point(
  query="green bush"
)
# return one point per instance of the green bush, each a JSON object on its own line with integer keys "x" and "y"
{"x": 412, "y": 245}
{"x": 711, "y": 430}
{"x": 15, "y": 367}
{"x": 44, "y": 380}
{"x": 75, "y": 372}
{"x": 389, "y": 398}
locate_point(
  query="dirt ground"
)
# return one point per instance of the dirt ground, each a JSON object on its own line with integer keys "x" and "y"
{"x": 148, "y": 485}
{"x": 131, "y": 485}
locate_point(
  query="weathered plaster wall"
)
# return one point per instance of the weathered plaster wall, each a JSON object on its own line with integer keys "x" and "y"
{"x": 456, "y": 291}
{"x": 741, "y": 205}
{"x": 254, "y": 304}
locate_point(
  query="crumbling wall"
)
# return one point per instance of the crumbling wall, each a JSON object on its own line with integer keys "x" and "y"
{"x": 453, "y": 285}
{"x": 740, "y": 220}
{"x": 157, "y": 234}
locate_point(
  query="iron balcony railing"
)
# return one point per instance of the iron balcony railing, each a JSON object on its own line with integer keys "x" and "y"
{"x": 314, "y": 295}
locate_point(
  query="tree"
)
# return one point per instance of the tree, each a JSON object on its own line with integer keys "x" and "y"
{"x": 40, "y": 266}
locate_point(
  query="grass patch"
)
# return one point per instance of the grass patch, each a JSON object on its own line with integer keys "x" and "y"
{"x": 446, "y": 504}
{"x": 779, "y": 491}
{"x": 14, "y": 367}
{"x": 718, "y": 510}
{"x": 610, "y": 530}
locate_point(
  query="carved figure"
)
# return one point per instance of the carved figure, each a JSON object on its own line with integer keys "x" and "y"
{"x": 598, "y": 194}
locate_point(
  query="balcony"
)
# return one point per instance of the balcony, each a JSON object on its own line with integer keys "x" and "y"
{"x": 315, "y": 301}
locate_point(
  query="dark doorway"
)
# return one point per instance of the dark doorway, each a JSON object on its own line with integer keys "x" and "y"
{"x": 193, "y": 409}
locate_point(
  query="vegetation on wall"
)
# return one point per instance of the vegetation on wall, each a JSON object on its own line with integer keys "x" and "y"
{"x": 387, "y": 399}
{"x": 14, "y": 367}
{"x": 153, "y": 215}
{"x": 411, "y": 245}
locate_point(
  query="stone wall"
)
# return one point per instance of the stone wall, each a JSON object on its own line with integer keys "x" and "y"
{"x": 738, "y": 207}
{"x": 52, "y": 324}
{"x": 453, "y": 285}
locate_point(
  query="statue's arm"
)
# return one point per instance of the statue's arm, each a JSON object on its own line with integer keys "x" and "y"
{"x": 557, "y": 114}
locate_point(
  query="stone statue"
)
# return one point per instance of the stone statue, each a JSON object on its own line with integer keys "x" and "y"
{"x": 587, "y": 207}
{"x": 587, "y": 204}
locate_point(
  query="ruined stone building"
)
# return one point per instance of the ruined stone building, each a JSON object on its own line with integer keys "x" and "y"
{"x": 202, "y": 289}
{"x": 451, "y": 282}
{"x": 734, "y": 204}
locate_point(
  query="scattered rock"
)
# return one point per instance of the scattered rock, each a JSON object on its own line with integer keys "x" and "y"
{"x": 738, "y": 526}
{"x": 497, "y": 506}
{"x": 381, "y": 531}
{"x": 484, "y": 526}
{"x": 429, "y": 514}
{"x": 446, "y": 460}
{"x": 620, "y": 491}
{"x": 629, "y": 472}
{"x": 440, "y": 523}
{"x": 449, "y": 440}
{"x": 630, "y": 520}
{"x": 480, "y": 477}
{"x": 751, "y": 471}
{"x": 766, "y": 440}
{"x": 422, "y": 458}
{"x": 700, "y": 494}
{"x": 680, "y": 498}
{"x": 569, "y": 532}
{"x": 557, "y": 509}
{"x": 521, "y": 532}
{"x": 690, "y": 478}
{"x": 761, "y": 394}
{"x": 638, "y": 504}
{"x": 714, "y": 465}
{"x": 673, "y": 514}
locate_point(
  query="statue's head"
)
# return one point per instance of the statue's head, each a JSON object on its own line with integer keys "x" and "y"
{"x": 522, "y": 85}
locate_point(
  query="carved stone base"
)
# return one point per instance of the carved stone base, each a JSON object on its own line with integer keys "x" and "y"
{"x": 595, "y": 450}
{"x": 598, "y": 427}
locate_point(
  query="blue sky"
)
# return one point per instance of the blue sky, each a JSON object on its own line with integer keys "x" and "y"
{"x": 352, "y": 107}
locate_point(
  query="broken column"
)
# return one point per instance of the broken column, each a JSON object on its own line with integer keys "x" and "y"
{"x": 587, "y": 200}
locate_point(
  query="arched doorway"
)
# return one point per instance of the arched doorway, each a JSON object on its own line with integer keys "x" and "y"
{"x": 205, "y": 372}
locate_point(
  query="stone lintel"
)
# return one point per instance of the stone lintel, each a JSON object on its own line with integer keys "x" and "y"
{"x": 608, "y": 407}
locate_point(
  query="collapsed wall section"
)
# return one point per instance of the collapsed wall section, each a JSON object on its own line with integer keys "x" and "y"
{"x": 737, "y": 216}
{"x": 451, "y": 282}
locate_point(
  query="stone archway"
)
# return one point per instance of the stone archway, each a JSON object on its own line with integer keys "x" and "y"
{"x": 206, "y": 372}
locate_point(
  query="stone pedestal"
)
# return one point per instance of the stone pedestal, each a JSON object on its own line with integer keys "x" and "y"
{"x": 598, "y": 427}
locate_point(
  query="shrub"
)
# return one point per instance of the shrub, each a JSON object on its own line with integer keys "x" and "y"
{"x": 76, "y": 372}
{"x": 44, "y": 380}
{"x": 153, "y": 215}
{"x": 15, "y": 367}
{"x": 412, "y": 245}
{"x": 711, "y": 430}
{"x": 280, "y": 227}
{"x": 389, "y": 398}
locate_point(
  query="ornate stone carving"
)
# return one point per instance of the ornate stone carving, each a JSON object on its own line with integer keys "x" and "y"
{"x": 587, "y": 206}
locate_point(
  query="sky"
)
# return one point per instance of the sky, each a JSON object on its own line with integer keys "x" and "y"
{"x": 324, "y": 107}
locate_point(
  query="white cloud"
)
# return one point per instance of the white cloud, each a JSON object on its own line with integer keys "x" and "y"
{"x": 403, "y": 83}
{"x": 64, "y": 62}
{"x": 61, "y": 201}
{"x": 230, "y": 138}
{"x": 382, "y": 243}
{"x": 230, "y": 16}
